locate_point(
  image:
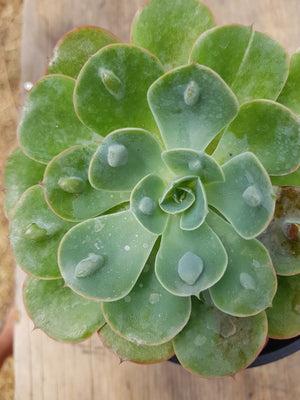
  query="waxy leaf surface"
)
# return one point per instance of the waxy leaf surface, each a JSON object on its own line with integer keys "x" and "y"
{"x": 66, "y": 200}
{"x": 111, "y": 89}
{"x": 61, "y": 313}
{"x": 35, "y": 233}
{"x": 249, "y": 282}
{"x": 269, "y": 130}
{"x": 191, "y": 104}
{"x": 253, "y": 65}
{"x": 20, "y": 173}
{"x": 49, "y": 124}
{"x": 149, "y": 314}
{"x": 112, "y": 249}
{"x": 75, "y": 48}
{"x": 217, "y": 344}
{"x": 169, "y": 29}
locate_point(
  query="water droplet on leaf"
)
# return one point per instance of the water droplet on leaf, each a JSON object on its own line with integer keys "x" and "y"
{"x": 88, "y": 266}
{"x": 127, "y": 299}
{"x": 200, "y": 340}
{"x": 34, "y": 232}
{"x": 112, "y": 83}
{"x": 117, "y": 155}
{"x": 252, "y": 196}
{"x": 154, "y": 298}
{"x": 147, "y": 206}
{"x": 190, "y": 267}
{"x": 72, "y": 184}
{"x": 127, "y": 248}
{"x": 195, "y": 165}
{"x": 227, "y": 328}
{"x": 191, "y": 94}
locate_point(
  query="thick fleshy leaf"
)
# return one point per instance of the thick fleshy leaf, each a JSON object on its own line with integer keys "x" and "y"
{"x": 191, "y": 104}
{"x": 158, "y": 317}
{"x": 244, "y": 58}
{"x": 284, "y": 316}
{"x": 282, "y": 236}
{"x": 49, "y": 124}
{"x": 128, "y": 351}
{"x": 246, "y": 197}
{"x": 192, "y": 162}
{"x": 179, "y": 195}
{"x": 111, "y": 89}
{"x": 20, "y": 173}
{"x": 249, "y": 282}
{"x": 216, "y": 344}
{"x": 189, "y": 262}
{"x": 269, "y": 130}
{"x": 169, "y": 29}
{"x": 292, "y": 179}
{"x": 35, "y": 233}
{"x": 103, "y": 257}
{"x": 194, "y": 216}
{"x": 75, "y": 48}
{"x": 290, "y": 93}
{"x": 61, "y": 313}
{"x": 123, "y": 158}
{"x": 144, "y": 203}
{"x": 68, "y": 190}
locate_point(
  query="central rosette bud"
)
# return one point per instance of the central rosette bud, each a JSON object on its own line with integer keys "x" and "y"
{"x": 179, "y": 195}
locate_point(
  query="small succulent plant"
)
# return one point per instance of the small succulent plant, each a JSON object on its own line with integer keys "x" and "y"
{"x": 155, "y": 195}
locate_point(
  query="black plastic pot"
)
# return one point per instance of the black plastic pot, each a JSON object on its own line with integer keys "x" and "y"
{"x": 273, "y": 351}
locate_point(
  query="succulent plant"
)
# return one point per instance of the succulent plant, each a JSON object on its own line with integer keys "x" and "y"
{"x": 155, "y": 195}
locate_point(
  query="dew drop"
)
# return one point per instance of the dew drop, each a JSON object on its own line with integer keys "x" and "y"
{"x": 252, "y": 196}
{"x": 72, "y": 184}
{"x": 247, "y": 281}
{"x": 147, "y": 206}
{"x": 127, "y": 299}
{"x": 117, "y": 155}
{"x": 190, "y": 267}
{"x": 88, "y": 266}
{"x": 34, "y": 232}
{"x": 191, "y": 94}
{"x": 145, "y": 245}
{"x": 98, "y": 225}
{"x": 256, "y": 264}
{"x": 154, "y": 298}
{"x": 227, "y": 328}
{"x": 147, "y": 267}
{"x": 127, "y": 248}
{"x": 28, "y": 86}
{"x": 112, "y": 83}
{"x": 200, "y": 340}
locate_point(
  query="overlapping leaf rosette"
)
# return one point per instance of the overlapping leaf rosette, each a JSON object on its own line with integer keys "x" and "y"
{"x": 143, "y": 199}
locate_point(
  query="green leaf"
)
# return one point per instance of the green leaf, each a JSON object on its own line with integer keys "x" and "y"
{"x": 292, "y": 179}
{"x": 144, "y": 203}
{"x": 192, "y": 162}
{"x": 111, "y": 89}
{"x": 216, "y": 344}
{"x": 96, "y": 258}
{"x": 245, "y": 198}
{"x": 74, "y": 49}
{"x": 267, "y": 129}
{"x": 284, "y": 316}
{"x": 189, "y": 261}
{"x": 128, "y": 351}
{"x": 20, "y": 173}
{"x": 249, "y": 282}
{"x": 290, "y": 93}
{"x": 35, "y": 233}
{"x": 149, "y": 314}
{"x": 68, "y": 190}
{"x": 282, "y": 236}
{"x": 61, "y": 313}
{"x": 123, "y": 158}
{"x": 191, "y": 104}
{"x": 169, "y": 29}
{"x": 179, "y": 195}
{"x": 251, "y": 63}
{"x": 49, "y": 124}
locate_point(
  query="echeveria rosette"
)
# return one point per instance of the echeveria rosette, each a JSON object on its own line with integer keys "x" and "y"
{"x": 158, "y": 186}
